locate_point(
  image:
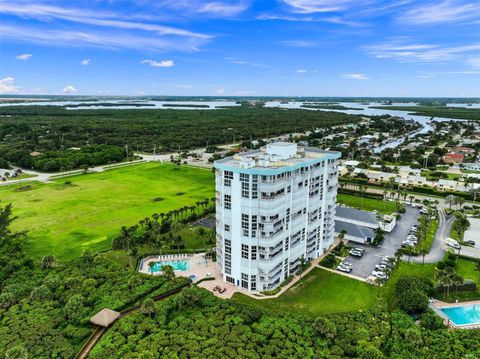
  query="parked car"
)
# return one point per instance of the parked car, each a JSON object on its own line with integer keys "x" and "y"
{"x": 469, "y": 242}
{"x": 347, "y": 264}
{"x": 424, "y": 211}
{"x": 452, "y": 243}
{"x": 355, "y": 253}
{"x": 342, "y": 268}
{"x": 379, "y": 274}
{"x": 381, "y": 267}
{"x": 360, "y": 249}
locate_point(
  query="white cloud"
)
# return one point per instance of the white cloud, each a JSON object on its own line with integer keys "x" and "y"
{"x": 474, "y": 62}
{"x": 223, "y": 9}
{"x": 85, "y": 62}
{"x": 164, "y": 63}
{"x": 402, "y": 51}
{"x": 23, "y": 56}
{"x": 314, "y": 6}
{"x": 183, "y": 86}
{"x": 109, "y": 40}
{"x": 108, "y": 29}
{"x": 443, "y": 12}
{"x": 69, "y": 89}
{"x": 298, "y": 43}
{"x": 301, "y": 71}
{"x": 7, "y": 85}
{"x": 220, "y": 91}
{"x": 355, "y": 76}
{"x": 237, "y": 61}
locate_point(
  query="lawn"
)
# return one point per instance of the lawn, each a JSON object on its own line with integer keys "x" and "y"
{"x": 403, "y": 268}
{"x": 72, "y": 214}
{"x": 320, "y": 292}
{"x": 467, "y": 269}
{"x": 367, "y": 204}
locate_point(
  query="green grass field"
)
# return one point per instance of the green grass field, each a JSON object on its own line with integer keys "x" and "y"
{"x": 64, "y": 219}
{"x": 367, "y": 204}
{"x": 467, "y": 270}
{"x": 319, "y": 292}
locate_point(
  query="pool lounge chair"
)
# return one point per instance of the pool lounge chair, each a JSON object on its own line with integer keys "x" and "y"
{"x": 223, "y": 290}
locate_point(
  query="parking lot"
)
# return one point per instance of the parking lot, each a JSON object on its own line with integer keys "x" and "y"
{"x": 363, "y": 267}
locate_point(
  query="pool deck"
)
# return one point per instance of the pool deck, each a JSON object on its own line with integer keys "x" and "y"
{"x": 198, "y": 266}
{"x": 436, "y": 305}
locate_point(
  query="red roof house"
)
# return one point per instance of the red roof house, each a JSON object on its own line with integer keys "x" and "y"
{"x": 454, "y": 158}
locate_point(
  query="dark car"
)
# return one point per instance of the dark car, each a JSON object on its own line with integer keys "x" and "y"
{"x": 469, "y": 242}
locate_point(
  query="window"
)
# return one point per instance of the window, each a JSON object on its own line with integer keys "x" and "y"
{"x": 245, "y": 221}
{"x": 245, "y": 190}
{"x": 254, "y": 252}
{"x": 244, "y": 177}
{"x": 244, "y": 280}
{"x": 253, "y": 282}
{"x": 227, "y": 178}
{"x": 230, "y": 279}
{"x": 227, "y": 228}
{"x": 245, "y": 251}
{"x": 228, "y": 201}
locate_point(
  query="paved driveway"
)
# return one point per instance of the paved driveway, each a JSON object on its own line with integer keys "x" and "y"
{"x": 364, "y": 266}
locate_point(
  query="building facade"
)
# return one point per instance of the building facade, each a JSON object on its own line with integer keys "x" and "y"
{"x": 275, "y": 209}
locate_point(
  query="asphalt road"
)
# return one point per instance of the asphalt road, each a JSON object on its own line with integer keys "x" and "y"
{"x": 437, "y": 251}
{"x": 364, "y": 266}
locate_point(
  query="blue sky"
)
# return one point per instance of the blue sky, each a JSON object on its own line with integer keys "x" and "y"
{"x": 241, "y": 47}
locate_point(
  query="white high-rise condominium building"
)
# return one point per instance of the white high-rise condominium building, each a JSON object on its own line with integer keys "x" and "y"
{"x": 275, "y": 210}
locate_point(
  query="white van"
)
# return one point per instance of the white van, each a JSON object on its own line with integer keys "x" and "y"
{"x": 452, "y": 243}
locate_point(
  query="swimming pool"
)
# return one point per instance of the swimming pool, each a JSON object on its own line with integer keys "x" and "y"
{"x": 463, "y": 315}
{"x": 180, "y": 264}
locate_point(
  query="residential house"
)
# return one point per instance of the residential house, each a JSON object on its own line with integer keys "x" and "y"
{"x": 454, "y": 158}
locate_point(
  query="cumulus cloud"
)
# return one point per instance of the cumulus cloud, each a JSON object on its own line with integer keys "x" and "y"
{"x": 85, "y": 62}
{"x": 164, "y": 63}
{"x": 7, "y": 85}
{"x": 69, "y": 89}
{"x": 23, "y": 56}
{"x": 355, "y": 76}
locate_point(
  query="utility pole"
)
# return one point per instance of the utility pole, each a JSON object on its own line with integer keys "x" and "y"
{"x": 126, "y": 149}
{"x": 154, "y": 151}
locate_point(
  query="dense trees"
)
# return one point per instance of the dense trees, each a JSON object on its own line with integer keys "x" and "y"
{"x": 44, "y": 309}
{"x": 68, "y": 159}
{"x": 194, "y": 323}
{"x": 52, "y": 130}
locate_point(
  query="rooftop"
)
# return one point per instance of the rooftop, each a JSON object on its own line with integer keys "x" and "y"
{"x": 105, "y": 317}
{"x": 356, "y": 214}
{"x": 276, "y": 155}
{"x": 354, "y": 230}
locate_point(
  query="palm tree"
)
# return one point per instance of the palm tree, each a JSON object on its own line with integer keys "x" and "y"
{"x": 423, "y": 251}
{"x": 457, "y": 280}
{"x": 411, "y": 197}
{"x": 477, "y": 268}
{"x": 450, "y": 200}
{"x": 151, "y": 264}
